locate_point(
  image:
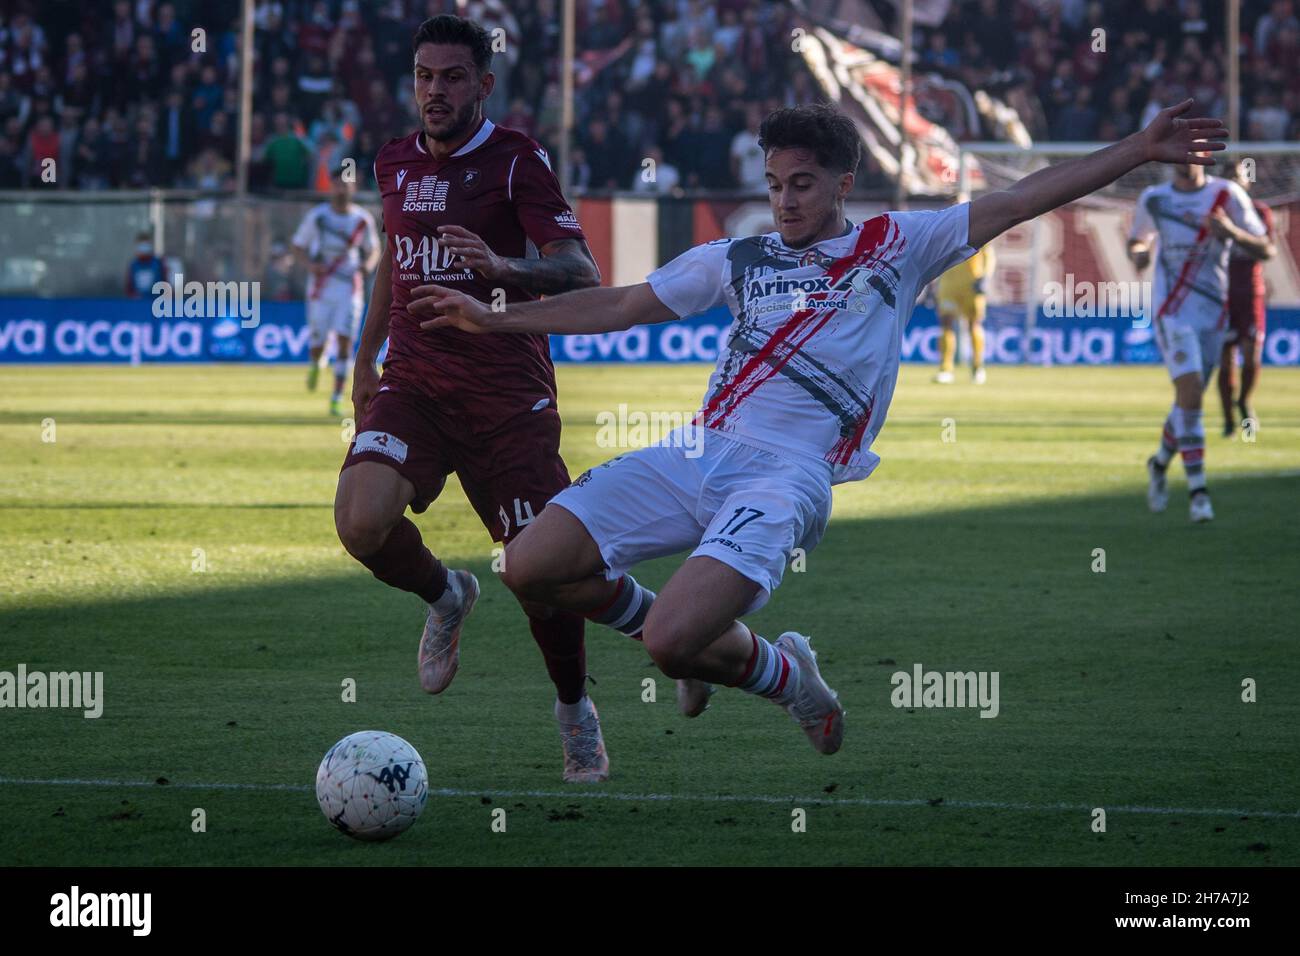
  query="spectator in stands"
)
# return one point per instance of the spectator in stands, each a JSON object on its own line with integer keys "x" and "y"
{"x": 660, "y": 177}
{"x": 748, "y": 162}
{"x": 11, "y": 176}
{"x": 42, "y": 154}
{"x": 1281, "y": 13}
{"x": 287, "y": 155}
{"x": 1266, "y": 118}
{"x": 607, "y": 155}
{"x": 92, "y": 158}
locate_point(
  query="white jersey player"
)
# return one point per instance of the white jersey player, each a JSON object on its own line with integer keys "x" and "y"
{"x": 338, "y": 244}
{"x": 796, "y": 400}
{"x": 1195, "y": 219}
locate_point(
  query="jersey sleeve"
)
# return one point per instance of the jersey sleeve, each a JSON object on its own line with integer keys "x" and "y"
{"x": 306, "y": 235}
{"x": 693, "y": 282}
{"x": 1242, "y": 211}
{"x": 543, "y": 212}
{"x": 936, "y": 239}
{"x": 1144, "y": 225}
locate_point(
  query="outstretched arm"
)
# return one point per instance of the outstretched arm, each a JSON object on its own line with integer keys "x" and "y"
{"x": 584, "y": 311}
{"x": 1169, "y": 138}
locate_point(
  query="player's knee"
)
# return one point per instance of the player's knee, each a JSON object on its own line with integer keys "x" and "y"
{"x": 526, "y": 578}
{"x": 361, "y": 531}
{"x": 537, "y": 611}
{"x": 666, "y": 643}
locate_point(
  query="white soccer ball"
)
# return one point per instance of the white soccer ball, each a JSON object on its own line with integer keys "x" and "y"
{"x": 372, "y": 785}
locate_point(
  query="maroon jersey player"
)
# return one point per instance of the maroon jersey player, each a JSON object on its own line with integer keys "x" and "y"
{"x": 1245, "y": 322}
{"x": 473, "y": 206}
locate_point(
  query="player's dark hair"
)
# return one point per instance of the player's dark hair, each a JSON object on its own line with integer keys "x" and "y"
{"x": 456, "y": 31}
{"x": 831, "y": 135}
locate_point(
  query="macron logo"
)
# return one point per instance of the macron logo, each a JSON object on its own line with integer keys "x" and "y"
{"x": 541, "y": 154}
{"x": 102, "y": 909}
{"x": 401, "y": 174}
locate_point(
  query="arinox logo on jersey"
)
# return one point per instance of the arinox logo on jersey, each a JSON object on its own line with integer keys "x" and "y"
{"x": 762, "y": 288}
{"x": 426, "y": 194}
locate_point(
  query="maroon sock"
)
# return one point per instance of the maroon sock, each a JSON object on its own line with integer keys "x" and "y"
{"x": 405, "y": 563}
{"x": 560, "y": 639}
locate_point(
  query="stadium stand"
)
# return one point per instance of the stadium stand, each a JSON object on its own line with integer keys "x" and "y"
{"x": 114, "y": 91}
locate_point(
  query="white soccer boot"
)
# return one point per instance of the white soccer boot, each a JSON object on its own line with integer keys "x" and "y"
{"x": 1199, "y": 508}
{"x": 439, "y": 655}
{"x": 814, "y": 706}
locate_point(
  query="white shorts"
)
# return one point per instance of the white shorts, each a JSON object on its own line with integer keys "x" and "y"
{"x": 1189, "y": 348}
{"x": 340, "y": 314}
{"x": 746, "y": 507}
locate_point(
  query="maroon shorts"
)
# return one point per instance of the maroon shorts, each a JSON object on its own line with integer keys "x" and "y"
{"x": 1245, "y": 318}
{"x": 508, "y": 469}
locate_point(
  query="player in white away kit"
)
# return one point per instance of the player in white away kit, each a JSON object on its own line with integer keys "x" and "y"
{"x": 799, "y": 393}
{"x": 1196, "y": 218}
{"x": 337, "y": 242}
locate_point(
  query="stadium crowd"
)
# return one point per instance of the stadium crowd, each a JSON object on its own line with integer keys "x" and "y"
{"x": 118, "y": 94}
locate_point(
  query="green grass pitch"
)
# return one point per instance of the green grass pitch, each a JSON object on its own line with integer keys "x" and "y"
{"x": 1119, "y": 690}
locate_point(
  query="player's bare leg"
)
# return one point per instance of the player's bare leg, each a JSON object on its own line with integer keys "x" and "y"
{"x": 947, "y": 347}
{"x": 555, "y": 561}
{"x": 342, "y": 364}
{"x": 692, "y": 631}
{"x": 370, "y": 517}
{"x": 1228, "y": 386}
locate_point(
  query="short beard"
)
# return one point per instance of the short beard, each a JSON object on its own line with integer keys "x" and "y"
{"x": 461, "y": 123}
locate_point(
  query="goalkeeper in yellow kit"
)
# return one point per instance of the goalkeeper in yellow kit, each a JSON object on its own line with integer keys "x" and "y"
{"x": 961, "y": 295}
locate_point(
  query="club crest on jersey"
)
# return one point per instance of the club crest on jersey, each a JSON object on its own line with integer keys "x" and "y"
{"x": 816, "y": 257}
{"x": 469, "y": 179}
{"x": 426, "y": 194}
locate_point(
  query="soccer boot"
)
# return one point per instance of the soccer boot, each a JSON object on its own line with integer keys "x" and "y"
{"x": 814, "y": 706}
{"x": 693, "y": 696}
{"x": 440, "y": 644}
{"x": 585, "y": 759}
{"x": 1199, "y": 508}
{"x": 979, "y": 376}
{"x": 943, "y": 378}
{"x": 1157, "y": 486}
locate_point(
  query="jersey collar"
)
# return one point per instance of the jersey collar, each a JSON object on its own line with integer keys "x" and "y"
{"x": 474, "y": 142}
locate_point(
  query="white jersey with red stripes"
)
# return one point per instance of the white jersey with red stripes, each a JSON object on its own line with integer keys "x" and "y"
{"x": 340, "y": 241}
{"x": 812, "y": 354}
{"x": 1191, "y": 264}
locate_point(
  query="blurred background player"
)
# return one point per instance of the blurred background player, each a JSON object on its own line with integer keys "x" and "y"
{"x": 145, "y": 270}
{"x": 961, "y": 295}
{"x": 475, "y": 206}
{"x": 1196, "y": 218}
{"x": 337, "y": 243}
{"x": 1246, "y": 301}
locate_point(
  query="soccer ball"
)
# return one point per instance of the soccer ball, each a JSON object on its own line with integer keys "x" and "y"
{"x": 372, "y": 785}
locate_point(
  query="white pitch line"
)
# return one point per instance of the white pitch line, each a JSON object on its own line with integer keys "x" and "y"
{"x": 687, "y": 798}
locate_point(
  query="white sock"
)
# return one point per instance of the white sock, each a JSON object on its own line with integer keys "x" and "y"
{"x": 572, "y": 713}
